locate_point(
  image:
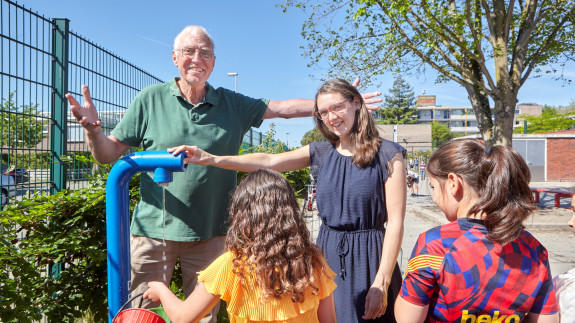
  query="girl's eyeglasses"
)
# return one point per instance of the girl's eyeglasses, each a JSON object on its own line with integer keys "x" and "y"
{"x": 335, "y": 109}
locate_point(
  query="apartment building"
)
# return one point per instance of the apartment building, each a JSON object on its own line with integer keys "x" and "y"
{"x": 462, "y": 119}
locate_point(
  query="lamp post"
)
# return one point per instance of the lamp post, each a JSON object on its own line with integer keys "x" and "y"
{"x": 235, "y": 75}
{"x": 287, "y": 141}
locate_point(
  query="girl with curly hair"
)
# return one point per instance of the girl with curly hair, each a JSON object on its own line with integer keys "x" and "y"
{"x": 361, "y": 195}
{"x": 271, "y": 271}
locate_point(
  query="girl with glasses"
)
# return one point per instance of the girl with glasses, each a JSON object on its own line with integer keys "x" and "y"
{"x": 360, "y": 194}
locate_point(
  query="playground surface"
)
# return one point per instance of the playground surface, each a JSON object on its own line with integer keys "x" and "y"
{"x": 548, "y": 224}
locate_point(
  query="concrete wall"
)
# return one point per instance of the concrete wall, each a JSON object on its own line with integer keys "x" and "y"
{"x": 413, "y": 137}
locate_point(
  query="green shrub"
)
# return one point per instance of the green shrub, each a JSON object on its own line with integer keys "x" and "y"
{"x": 53, "y": 255}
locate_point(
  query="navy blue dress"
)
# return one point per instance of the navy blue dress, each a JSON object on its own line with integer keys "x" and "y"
{"x": 351, "y": 204}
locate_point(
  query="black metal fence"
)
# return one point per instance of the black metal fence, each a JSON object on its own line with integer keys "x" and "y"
{"x": 40, "y": 61}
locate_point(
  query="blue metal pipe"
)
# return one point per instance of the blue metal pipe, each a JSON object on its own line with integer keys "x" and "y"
{"x": 118, "y": 215}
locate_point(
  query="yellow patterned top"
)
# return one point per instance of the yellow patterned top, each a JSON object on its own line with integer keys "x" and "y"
{"x": 243, "y": 302}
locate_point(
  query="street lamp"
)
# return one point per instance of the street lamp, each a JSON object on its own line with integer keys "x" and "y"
{"x": 287, "y": 141}
{"x": 235, "y": 75}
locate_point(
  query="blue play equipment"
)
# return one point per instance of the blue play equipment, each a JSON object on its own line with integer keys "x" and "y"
{"x": 162, "y": 164}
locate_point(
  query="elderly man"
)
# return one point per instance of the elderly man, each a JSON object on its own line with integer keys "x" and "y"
{"x": 185, "y": 111}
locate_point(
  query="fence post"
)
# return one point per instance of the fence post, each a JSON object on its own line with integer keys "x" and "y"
{"x": 58, "y": 128}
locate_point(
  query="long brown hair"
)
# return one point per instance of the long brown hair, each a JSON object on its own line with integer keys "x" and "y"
{"x": 269, "y": 238}
{"x": 498, "y": 174}
{"x": 364, "y": 136}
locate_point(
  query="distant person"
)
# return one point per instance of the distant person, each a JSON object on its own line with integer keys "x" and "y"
{"x": 422, "y": 169}
{"x": 565, "y": 283}
{"x": 184, "y": 111}
{"x": 360, "y": 196}
{"x": 271, "y": 271}
{"x": 410, "y": 163}
{"x": 483, "y": 266}
{"x": 413, "y": 178}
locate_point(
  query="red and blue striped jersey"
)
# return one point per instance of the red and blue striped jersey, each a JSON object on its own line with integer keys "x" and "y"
{"x": 462, "y": 275}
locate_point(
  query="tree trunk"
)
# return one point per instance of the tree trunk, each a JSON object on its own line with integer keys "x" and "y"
{"x": 496, "y": 129}
{"x": 503, "y": 123}
{"x": 482, "y": 110}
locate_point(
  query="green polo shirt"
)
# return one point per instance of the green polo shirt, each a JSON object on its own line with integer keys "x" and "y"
{"x": 196, "y": 202}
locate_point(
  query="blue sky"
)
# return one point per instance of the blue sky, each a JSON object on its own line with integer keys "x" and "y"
{"x": 253, "y": 38}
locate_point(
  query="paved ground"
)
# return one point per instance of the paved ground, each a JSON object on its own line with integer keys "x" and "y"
{"x": 548, "y": 224}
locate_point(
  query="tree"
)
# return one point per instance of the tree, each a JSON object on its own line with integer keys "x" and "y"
{"x": 399, "y": 104}
{"x": 490, "y": 48}
{"x": 20, "y": 127}
{"x": 297, "y": 178}
{"x": 312, "y": 136}
{"x": 269, "y": 145}
{"x": 440, "y": 134}
{"x": 551, "y": 119}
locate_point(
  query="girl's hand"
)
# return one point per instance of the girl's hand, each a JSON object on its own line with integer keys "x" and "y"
{"x": 155, "y": 289}
{"x": 375, "y": 302}
{"x": 194, "y": 154}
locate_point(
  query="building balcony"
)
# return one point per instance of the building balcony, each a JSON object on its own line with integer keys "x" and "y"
{"x": 463, "y": 117}
{"x": 469, "y": 130}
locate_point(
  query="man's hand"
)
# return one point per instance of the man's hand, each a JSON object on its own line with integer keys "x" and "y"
{"x": 86, "y": 115}
{"x": 369, "y": 98}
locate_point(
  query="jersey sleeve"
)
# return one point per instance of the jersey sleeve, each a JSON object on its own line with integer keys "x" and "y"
{"x": 546, "y": 301}
{"x": 422, "y": 270}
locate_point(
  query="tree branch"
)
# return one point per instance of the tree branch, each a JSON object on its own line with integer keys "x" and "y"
{"x": 532, "y": 62}
{"x": 508, "y": 18}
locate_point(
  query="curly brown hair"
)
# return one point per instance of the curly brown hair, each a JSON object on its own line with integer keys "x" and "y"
{"x": 500, "y": 177}
{"x": 269, "y": 238}
{"x": 364, "y": 135}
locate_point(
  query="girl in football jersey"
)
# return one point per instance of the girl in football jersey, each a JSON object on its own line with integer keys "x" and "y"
{"x": 483, "y": 266}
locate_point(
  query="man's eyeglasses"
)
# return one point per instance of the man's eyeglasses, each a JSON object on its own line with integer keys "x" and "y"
{"x": 205, "y": 54}
{"x": 335, "y": 109}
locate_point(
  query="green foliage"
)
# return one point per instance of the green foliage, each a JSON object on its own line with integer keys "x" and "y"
{"x": 269, "y": 145}
{"x": 312, "y": 136}
{"x": 551, "y": 119}
{"x": 297, "y": 178}
{"x": 440, "y": 134}
{"x": 19, "y": 125}
{"x": 53, "y": 255}
{"x": 399, "y": 104}
{"x": 488, "y": 47}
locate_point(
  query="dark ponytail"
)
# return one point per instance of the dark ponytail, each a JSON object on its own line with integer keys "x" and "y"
{"x": 500, "y": 177}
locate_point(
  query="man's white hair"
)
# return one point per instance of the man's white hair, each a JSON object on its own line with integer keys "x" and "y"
{"x": 190, "y": 30}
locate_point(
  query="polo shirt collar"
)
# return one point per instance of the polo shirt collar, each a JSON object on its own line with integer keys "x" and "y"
{"x": 211, "y": 96}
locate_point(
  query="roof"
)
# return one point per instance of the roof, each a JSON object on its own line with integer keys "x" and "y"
{"x": 561, "y": 132}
